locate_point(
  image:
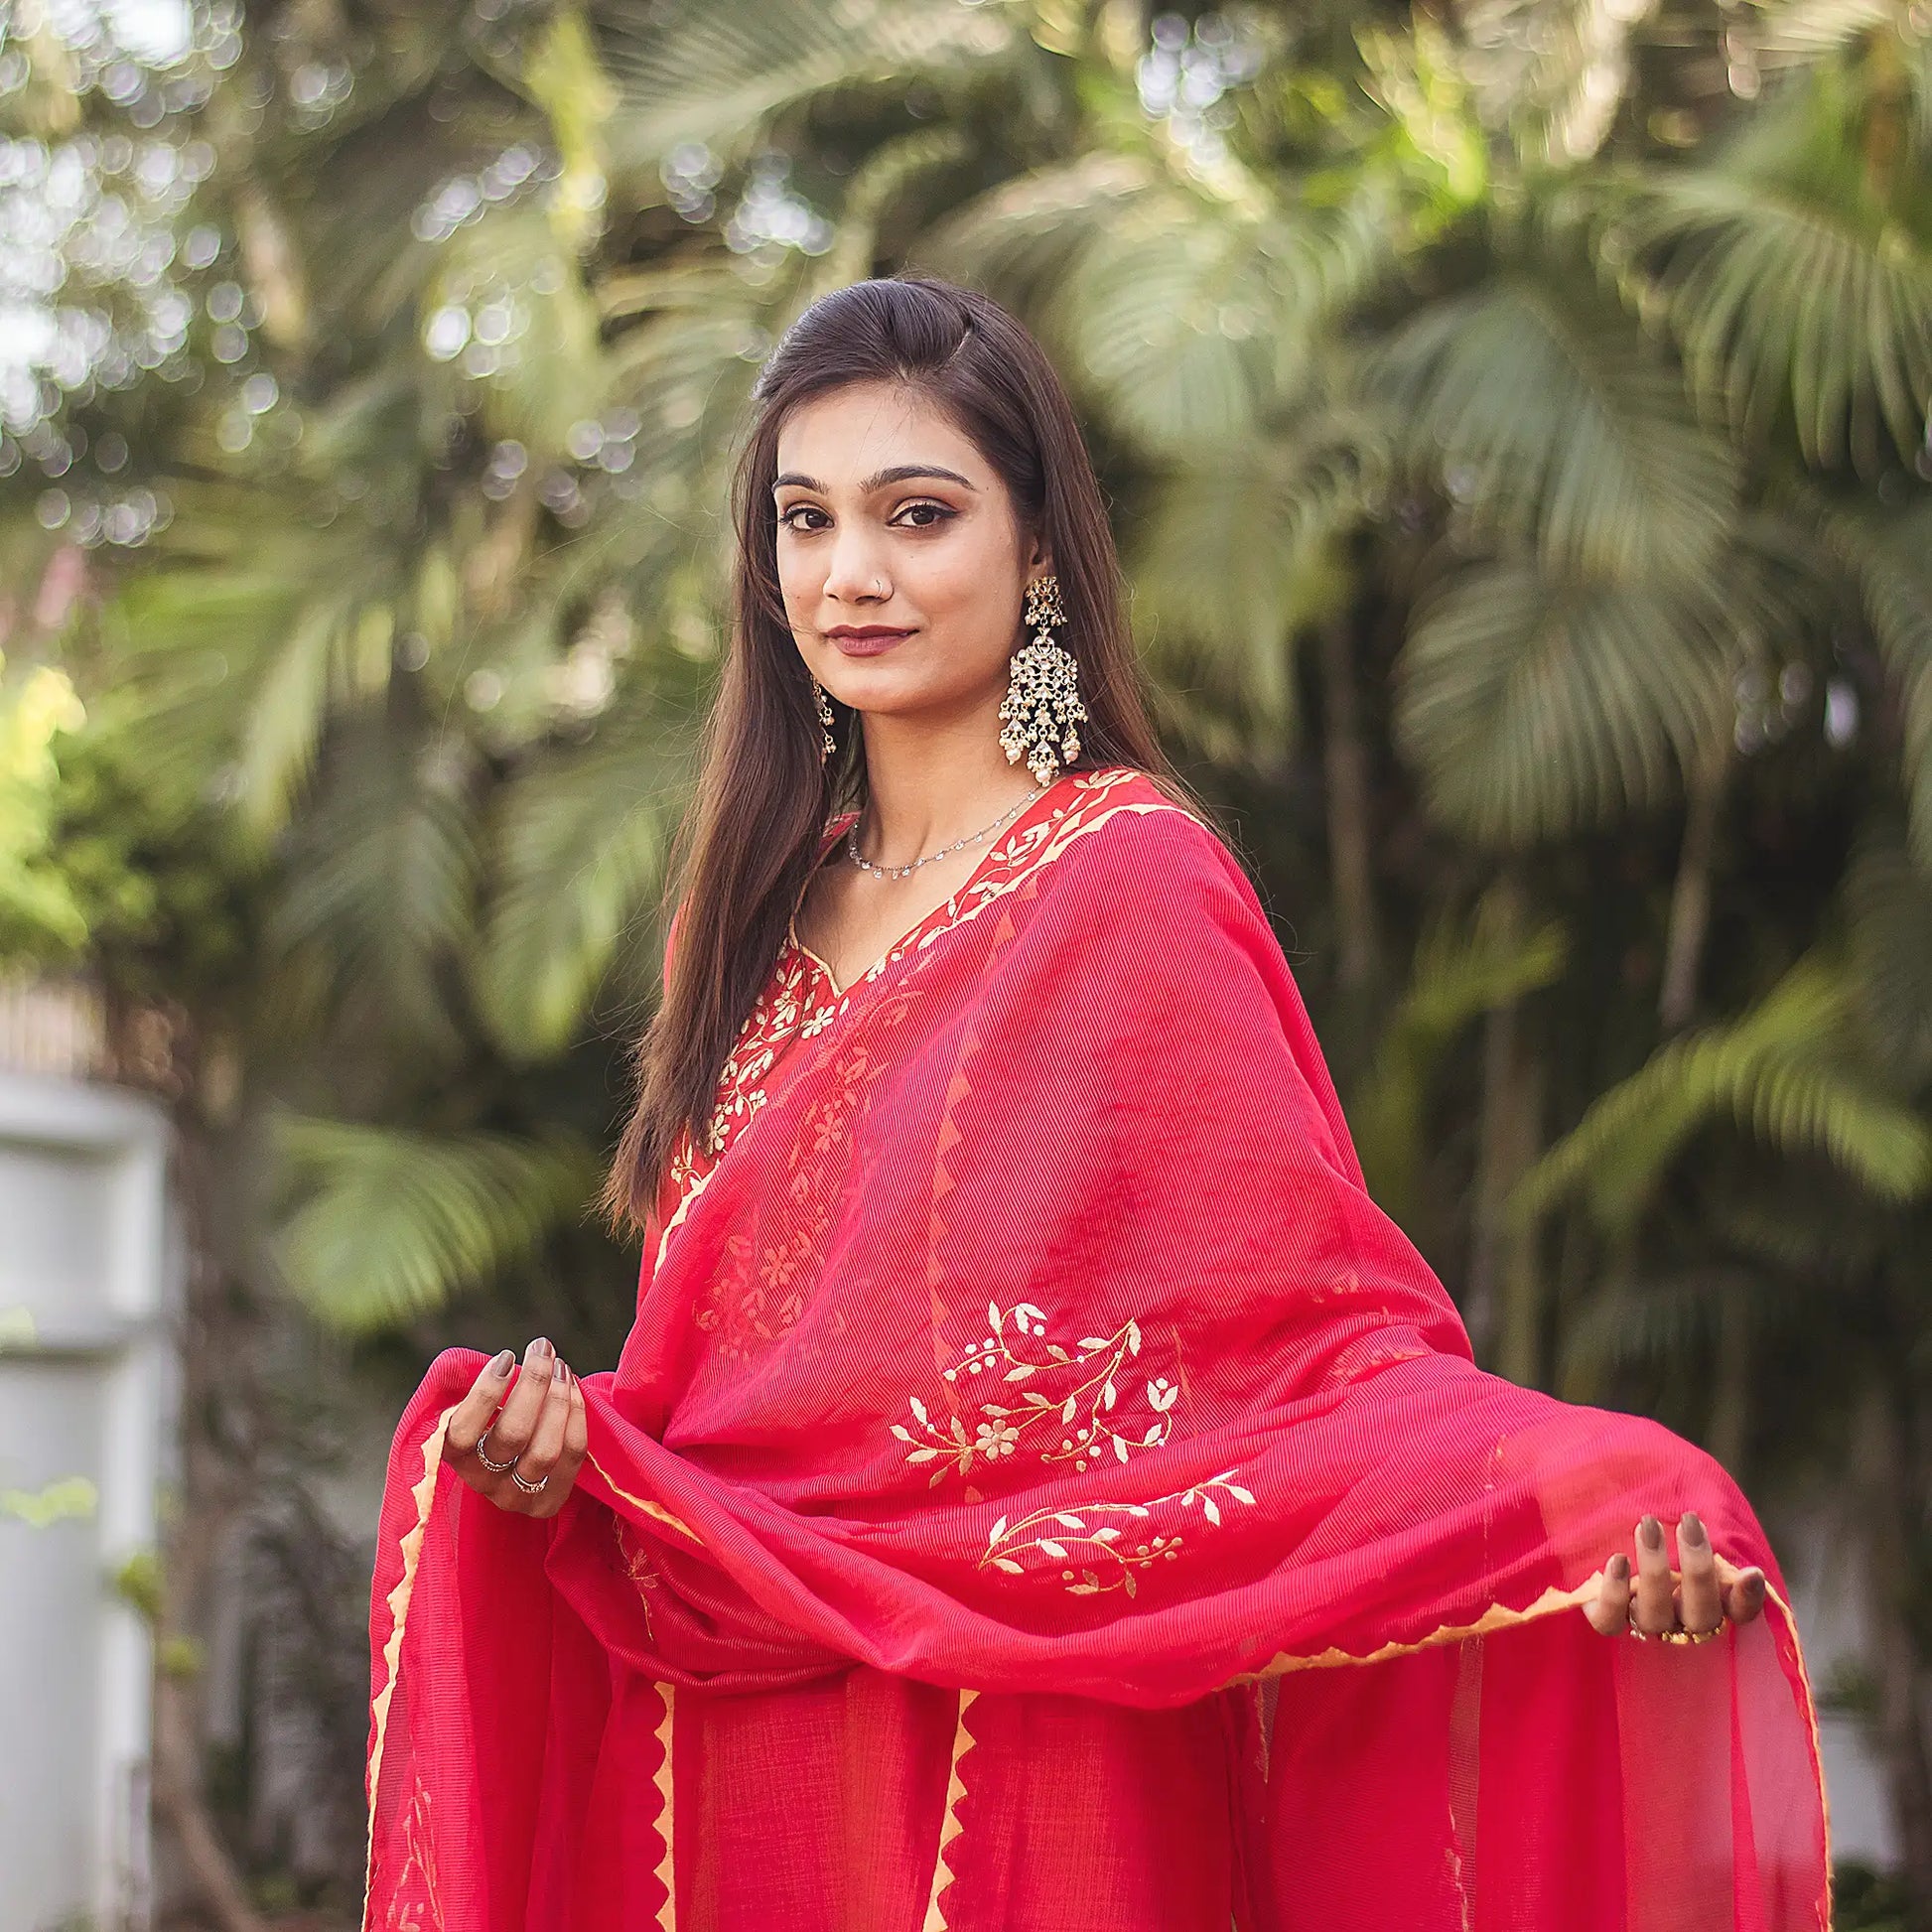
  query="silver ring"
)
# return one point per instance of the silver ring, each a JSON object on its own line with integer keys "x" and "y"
{"x": 494, "y": 1469}
{"x": 528, "y": 1489}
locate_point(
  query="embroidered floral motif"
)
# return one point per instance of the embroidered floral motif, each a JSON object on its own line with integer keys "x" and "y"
{"x": 639, "y": 1568}
{"x": 416, "y": 1907}
{"x": 801, "y": 1002}
{"x": 1095, "y": 1552}
{"x": 1076, "y": 1417}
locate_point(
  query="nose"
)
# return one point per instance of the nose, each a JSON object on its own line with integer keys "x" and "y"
{"x": 855, "y": 571}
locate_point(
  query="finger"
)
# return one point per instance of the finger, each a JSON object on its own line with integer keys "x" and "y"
{"x": 1654, "y": 1610}
{"x": 577, "y": 1431}
{"x": 512, "y": 1432}
{"x": 1699, "y": 1606}
{"x": 563, "y": 1477}
{"x": 536, "y": 1461}
{"x": 473, "y": 1412}
{"x": 1744, "y": 1595}
{"x": 1610, "y": 1611}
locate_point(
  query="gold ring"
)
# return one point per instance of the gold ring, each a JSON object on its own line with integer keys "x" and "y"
{"x": 1676, "y": 1635}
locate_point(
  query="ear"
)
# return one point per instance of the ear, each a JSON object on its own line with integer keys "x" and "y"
{"x": 1040, "y": 561}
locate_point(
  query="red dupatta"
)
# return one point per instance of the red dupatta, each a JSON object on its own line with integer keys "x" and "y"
{"x": 1022, "y": 1325}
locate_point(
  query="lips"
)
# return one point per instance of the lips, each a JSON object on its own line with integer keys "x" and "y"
{"x": 868, "y": 644}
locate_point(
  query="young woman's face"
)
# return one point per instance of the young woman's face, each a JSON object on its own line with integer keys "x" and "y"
{"x": 893, "y": 526}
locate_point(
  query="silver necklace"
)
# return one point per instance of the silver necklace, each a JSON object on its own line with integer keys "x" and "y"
{"x": 899, "y": 872}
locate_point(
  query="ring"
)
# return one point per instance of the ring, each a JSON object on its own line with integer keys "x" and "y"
{"x": 494, "y": 1469}
{"x": 528, "y": 1489}
{"x": 1676, "y": 1635}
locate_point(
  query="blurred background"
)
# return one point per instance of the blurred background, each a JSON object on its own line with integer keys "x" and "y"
{"x": 1514, "y": 417}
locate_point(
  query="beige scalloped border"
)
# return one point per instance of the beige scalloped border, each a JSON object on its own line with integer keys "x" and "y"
{"x": 949, "y": 1823}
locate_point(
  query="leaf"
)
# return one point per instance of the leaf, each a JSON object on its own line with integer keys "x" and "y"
{"x": 899, "y": 1430}
{"x": 1054, "y": 1549}
{"x": 1240, "y": 1494}
{"x": 1020, "y": 1373}
{"x": 392, "y": 1224}
{"x": 1068, "y": 1522}
{"x": 997, "y": 1530}
{"x": 1006, "y": 1564}
{"x": 1107, "y": 1533}
{"x": 1210, "y": 1509}
{"x": 1069, "y": 1407}
{"x": 1107, "y": 1396}
{"x": 918, "y": 1407}
{"x": 923, "y": 1456}
{"x": 1533, "y": 708}
{"x": 1120, "y": 1449}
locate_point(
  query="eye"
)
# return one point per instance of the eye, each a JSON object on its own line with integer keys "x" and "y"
{"x": 799, "y": 509}
{"x": 940, "y": 513}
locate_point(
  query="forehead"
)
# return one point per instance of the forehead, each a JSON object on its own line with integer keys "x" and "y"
{"x": 847, "y": 433}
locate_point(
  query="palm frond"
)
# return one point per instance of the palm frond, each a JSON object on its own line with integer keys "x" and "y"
{"x": 1463, "y": 968}
{"x": 582, "y": 838}
{"x": 1782, "y": 1072}
{"x": 1549, "y": 421}
{"x": 391, "y": 1224}
{"x": 712, "y": 71}
{"x": 1531, "y": 707}
{"x": 1792, "y": 277}
{"x": 1230, "y": 556}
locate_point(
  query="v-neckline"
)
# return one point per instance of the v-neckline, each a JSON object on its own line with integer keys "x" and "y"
{"x": 949, "y": 904}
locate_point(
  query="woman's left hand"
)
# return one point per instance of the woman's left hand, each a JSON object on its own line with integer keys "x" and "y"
{"x": 1697, "y": 1598}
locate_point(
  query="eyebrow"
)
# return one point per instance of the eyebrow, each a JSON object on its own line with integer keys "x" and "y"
{"x": 899, "y": 472}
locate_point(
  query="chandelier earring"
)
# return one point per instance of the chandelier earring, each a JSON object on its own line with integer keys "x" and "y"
{"x": 822, "y": 703}
{"x": 1043, "y": 702}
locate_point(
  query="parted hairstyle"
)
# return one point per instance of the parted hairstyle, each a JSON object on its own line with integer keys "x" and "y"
{"x": 744, "y": 852}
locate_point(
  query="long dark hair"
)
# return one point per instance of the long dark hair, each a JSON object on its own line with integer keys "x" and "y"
{"x": 745, "y": 850}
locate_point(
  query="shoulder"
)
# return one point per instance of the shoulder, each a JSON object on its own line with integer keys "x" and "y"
{"x": 1122, "y": 825}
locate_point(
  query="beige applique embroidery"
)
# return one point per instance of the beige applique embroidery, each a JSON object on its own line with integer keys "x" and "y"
{"x": 419, "y": 1861}
{"x": 1097, "y": 1546}
{"x": 1077, "y": 1403}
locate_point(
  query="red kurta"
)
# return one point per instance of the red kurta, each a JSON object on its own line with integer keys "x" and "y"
{"x": 1041, "y": 1490}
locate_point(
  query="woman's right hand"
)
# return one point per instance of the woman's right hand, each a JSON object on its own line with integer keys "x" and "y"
{"x": 541, "y": 1432}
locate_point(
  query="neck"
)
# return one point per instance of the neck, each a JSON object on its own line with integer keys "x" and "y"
{"x": 932, "y": 782}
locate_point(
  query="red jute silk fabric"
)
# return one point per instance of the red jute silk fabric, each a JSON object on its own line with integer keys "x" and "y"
{"x": 1040, "y": 1489}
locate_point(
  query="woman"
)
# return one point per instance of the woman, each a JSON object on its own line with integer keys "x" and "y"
{"x": 1039, "y": 1489}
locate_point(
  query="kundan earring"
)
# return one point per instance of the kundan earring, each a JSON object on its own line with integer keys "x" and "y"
{"x": 827, "y": 744}
{"x": 1043, "y": 702}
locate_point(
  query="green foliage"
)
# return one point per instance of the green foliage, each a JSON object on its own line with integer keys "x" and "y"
{"x": 388, "y": 1224}
{"x": 1786, "y": 1071}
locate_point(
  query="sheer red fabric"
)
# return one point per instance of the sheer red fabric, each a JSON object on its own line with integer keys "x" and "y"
{"x": 1041, "y": 1490}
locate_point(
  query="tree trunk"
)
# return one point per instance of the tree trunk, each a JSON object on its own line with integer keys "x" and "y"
{"x": 1889, "y": 1492}
{"x": 163, "y": 1051}
{"x": 1689, "y": 901}
{"x": 1503, "y": 1298}
{"x": 1350, "y": 859}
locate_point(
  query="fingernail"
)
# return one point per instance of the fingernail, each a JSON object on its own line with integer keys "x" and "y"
{"x": 1650, "y": 1532}
{"x": 504, "y": 1363}
{"x": 1618, "y": 1568}
{"x": 1690, "y": 1529}
{"x": 536, "y": 1351}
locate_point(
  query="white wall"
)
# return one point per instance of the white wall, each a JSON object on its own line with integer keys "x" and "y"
{"x": 83, "y": 1247}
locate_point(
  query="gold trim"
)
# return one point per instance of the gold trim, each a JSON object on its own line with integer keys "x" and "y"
{"x": 1500, "y": 1616}
{"x": 657, "y": 1511}
{"x": 919, "y": 937}
{"x": 667, "y": 1817}
{"x": 949, "y": 1825}
{"x": 424, "y": 1492}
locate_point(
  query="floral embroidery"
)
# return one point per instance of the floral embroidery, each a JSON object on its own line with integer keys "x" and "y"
{"x": 637, "y": 1567}
{"x": 406, "y": 1914}
{"x": 1107, "y": 1560}
{"x": 800, "y": 1000}
{"x": 1079, "y": 1403}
